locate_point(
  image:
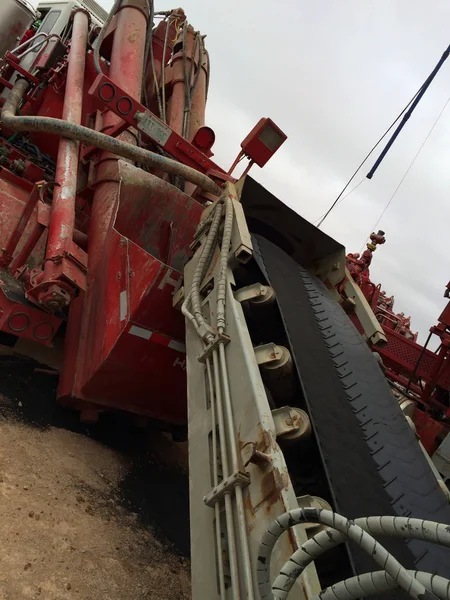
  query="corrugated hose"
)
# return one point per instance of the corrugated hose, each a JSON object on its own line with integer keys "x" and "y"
{"x": 417, "y": 584}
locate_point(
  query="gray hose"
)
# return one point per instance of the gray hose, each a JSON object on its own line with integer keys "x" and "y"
{"x": 309, "y": 551}
{"x": 203, "y": 264}
{"x": 97, "y": 139}
{"x": 196, "y": 317}
{"x": 325, "y": 540}
{"x": 370, "y": 584}
{"x": 98, "y": 42}
{"x": 224, "y": 255}
{"x": 148, "y": 46}
{"x": 403, "y": 527}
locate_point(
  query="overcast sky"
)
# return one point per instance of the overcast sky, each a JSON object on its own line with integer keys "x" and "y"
{"x": 333, "y": 75}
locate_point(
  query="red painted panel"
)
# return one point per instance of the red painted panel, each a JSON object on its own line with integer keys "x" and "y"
{"x": 142, "y": 376}
{"x": 430, "y": 431}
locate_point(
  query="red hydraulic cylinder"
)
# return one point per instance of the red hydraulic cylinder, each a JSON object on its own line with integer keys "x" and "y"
{"x": 127, "y": 61}
{"x": 62, "y": 218}
{"x": 178, "y": 100}
{"x": 198, "y": 102}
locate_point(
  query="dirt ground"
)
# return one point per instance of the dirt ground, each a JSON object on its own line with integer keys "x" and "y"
{"x": 90, "y": 513}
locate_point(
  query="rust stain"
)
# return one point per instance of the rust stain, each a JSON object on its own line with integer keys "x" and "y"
{"x": 264, "y": 440}
{"x": 271, "y": 485}
{"x": 248, "y": 502}
{"x": 248, "y": 507}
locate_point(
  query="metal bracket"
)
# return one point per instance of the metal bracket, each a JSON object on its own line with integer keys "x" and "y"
{"x": 268, "y": 353}
{"x": 241, "y": 241}
{"x": 256, "y": 293}
{"x": 250, "y": 454}
{"x": 372, "y": 328}
{"x": 76, "y": 255}
{"x": 221, "y": 338}
{"x": 239, "y": 478}
{"x": 108, "y": 94}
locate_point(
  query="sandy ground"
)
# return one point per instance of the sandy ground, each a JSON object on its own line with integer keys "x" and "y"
{"x": 97, "y": 513}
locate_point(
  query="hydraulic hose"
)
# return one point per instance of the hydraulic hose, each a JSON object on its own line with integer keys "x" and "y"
{"x": 370, "y": 584}
{"x": 98, "y": 42}
{"x": 360, "y": 531}
{"x": 99, "y": 140}
{"x": 202, "y": 266}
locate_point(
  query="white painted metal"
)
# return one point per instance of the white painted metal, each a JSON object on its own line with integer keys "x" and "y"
{"x": 270, "y": 492}
{"x": 98, "y": 13}
{"x": 372, "y": 328}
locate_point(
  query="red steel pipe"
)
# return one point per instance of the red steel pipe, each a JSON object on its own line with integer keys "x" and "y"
{"x": 62, "y": 218}
{"x": 127, "y": 62}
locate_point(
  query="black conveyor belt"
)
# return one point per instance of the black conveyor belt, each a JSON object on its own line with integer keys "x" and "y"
{"x": 372, "y": 460}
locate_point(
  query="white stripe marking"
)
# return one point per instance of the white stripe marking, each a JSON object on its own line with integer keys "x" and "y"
{"x": 123, "y": 305}
{"x": 140, "y": 332}
{"x": 177, "y": 346}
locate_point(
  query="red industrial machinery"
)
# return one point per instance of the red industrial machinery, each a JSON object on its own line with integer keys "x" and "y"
{"x": 416, "y": 373}
{"x": 93, "y": 245}
{"x": 188, "y": 296}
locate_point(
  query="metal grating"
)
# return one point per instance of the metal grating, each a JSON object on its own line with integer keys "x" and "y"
{"x": 94, "y": 8}
{"x": 402, "y": 354}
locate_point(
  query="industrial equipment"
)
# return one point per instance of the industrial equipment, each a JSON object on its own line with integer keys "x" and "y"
{"x": 420, "y": 378}
{"x": 188, "y": 296}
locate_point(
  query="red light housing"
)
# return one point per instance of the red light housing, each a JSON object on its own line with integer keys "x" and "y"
{"x": 263, "y": 141}
{"x": 204, "y": 139}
